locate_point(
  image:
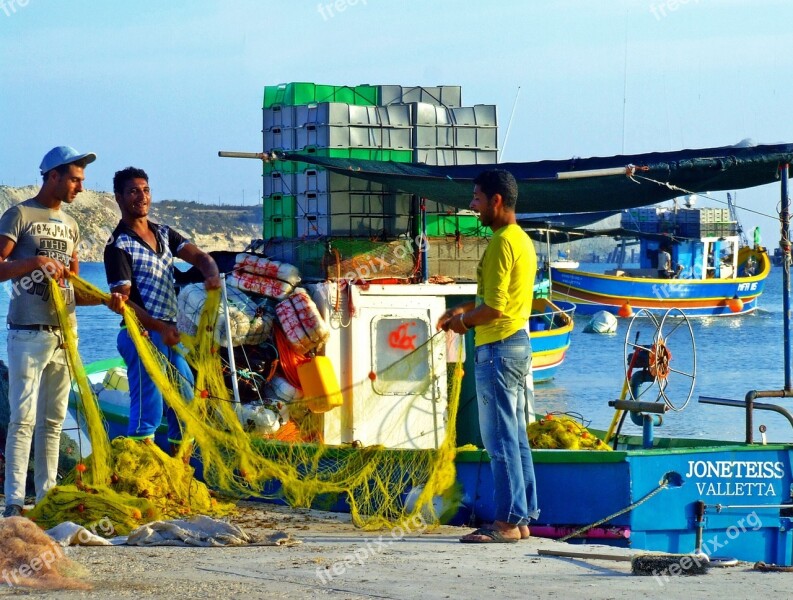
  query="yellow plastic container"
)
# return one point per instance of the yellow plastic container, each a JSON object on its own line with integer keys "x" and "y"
{"x": 321, "y": 389}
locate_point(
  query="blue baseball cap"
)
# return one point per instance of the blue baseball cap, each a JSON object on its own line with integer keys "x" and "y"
{"x": 63, "y": 155}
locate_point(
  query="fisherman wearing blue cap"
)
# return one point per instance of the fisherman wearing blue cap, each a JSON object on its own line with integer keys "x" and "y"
{"x": 39, "y": 241}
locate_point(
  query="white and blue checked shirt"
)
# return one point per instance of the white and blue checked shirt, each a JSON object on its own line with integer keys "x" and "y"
{"x": 148, "y": 271}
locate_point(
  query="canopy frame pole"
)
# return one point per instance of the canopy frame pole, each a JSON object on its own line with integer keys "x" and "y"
{"x": 232, "y": 364}
{"x": 548, "y": 255}
{"x": 784, "y": 222}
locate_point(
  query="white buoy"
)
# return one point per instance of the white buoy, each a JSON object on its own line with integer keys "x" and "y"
{"x": 601, "y": 322}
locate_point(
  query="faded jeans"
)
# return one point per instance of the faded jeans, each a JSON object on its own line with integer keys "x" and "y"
{"x": 145, "y": 400}
{"x": 38, "y": 395}
{"x": 501, "y": 371}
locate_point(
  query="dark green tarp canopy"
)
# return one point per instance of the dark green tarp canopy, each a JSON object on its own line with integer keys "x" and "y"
{"x": 545, "y": 186}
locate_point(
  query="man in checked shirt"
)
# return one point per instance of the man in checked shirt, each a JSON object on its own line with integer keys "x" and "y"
{"x": 139, "y": 267}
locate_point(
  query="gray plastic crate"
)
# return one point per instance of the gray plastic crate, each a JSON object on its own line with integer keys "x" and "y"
{"x": 364, "y": 115}
{"x": 394, "y": 115}
{"x": 465, "y": 137}
{"x": 389, "y": 94}
{"x": 321, "y": 182}
{"x": 365, "y": 137}
{"x": 485, "y": 157}
{"x": 486, "y": 115}
{"x": 434, "y": 156}
{"x": 463, "y": 115}
{"x": 279, "y": 138}
{"x": 396, "y": 138}
{"x": 425, "y": 136}
{"x": 486, "y": 138}
{"x": 323, "y": 136}
{"x": 278, "y": 116}
{"x": 279, "y": 183}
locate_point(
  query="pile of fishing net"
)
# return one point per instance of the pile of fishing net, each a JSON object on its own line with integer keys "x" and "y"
{"x": 130, "y": 483}
{"x": 145, "y": 485}
{"x": 30, "y": 558}
{"x": 564, "y": 433}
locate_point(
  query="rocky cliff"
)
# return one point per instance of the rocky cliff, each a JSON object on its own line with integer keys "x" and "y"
{"x": 210, "y": 227}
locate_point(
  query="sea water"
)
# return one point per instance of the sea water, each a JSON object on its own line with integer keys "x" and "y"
{"x": 733, "y": 354}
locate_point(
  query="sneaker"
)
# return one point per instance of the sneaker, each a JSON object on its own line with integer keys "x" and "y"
{"x": 12, "y": 510}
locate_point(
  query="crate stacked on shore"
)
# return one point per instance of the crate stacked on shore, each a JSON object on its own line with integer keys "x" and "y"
{"x": 385, "y": 123}
{"x": 684, "y": 222}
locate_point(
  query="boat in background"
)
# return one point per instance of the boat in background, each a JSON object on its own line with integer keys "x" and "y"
{"x": 564, "y": 264}
{"x": 550, "y": 327}
{"x": 712, "y": 274}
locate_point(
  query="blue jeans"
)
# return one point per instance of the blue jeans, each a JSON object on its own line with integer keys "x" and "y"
{"x": 145, "y": 400}
{"x": 501, "y": 371}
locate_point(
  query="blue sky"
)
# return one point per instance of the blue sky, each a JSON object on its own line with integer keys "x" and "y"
{"x": 165, "y": 85}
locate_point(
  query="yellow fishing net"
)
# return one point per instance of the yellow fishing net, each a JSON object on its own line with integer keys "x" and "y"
{"x": 132, "y": 482}
{"x": 563, "y": 432}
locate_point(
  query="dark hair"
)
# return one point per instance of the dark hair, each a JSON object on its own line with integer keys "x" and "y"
{"x": 499, "y": 181}
{"x": 121, "y": 178}
{"x": 63, "y": 169}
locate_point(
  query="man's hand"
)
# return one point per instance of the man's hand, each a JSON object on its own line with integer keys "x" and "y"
{"x": 169, "y": 334}
{"x": 51, "y": 267}
{"x": 117, "y": 302}
{"x": 445, "y": 320}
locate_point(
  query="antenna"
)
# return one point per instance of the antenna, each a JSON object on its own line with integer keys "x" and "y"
{"x": 625, "y": 83}
{"x": 509, "y": 125}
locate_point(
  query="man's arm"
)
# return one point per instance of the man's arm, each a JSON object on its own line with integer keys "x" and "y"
{"x": 119, "y": 296}
{"x": 81, "y": 299}
{"x": 203, "y": 262}
{"x": 9, "y": 269}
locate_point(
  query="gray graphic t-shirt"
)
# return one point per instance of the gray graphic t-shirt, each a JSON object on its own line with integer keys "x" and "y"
{"x": 38, "y": 230}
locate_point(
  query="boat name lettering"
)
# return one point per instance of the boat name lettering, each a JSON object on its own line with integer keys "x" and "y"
{"x": 747, "y": 287}
{"x": 735, "y": 488}
{"x": 736, "y": 468}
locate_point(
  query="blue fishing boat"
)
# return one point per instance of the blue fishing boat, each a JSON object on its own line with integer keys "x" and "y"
{"x": 550, "y": 327}
{"x": 711, "y": 274}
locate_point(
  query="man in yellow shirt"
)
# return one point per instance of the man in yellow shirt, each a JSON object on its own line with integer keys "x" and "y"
{"x": 505, "y": 280}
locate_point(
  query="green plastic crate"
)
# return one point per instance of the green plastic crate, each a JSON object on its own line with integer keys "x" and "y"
{"x": 279, "y": 205}
{"x": 444, "y": 225}
{"x": 279, "y": 227}
{"x": 300, "y": 93}
{"x": 404, "y": 156}
{"x": 366, "y": 95}
{"x": 287, "y": 167}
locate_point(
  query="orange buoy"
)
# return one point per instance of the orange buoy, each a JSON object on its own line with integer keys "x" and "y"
{"x": 625, "y": 311}
{"x": 735, "y": 304}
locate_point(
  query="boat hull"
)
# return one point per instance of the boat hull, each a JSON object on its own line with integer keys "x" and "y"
{"x": 741, "y": 485}
{"x": 550, "y": 328}
{"x": 593, "y": 292}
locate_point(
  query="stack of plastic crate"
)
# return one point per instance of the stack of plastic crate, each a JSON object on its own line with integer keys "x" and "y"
{"x": 385, "y": 122}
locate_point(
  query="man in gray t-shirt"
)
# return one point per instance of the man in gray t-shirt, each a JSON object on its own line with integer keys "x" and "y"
{"x": 37, "y": 242}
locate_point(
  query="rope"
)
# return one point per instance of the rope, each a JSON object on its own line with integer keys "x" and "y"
{"x": 675, "y": 188}
{"x": 662, "y": 485}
